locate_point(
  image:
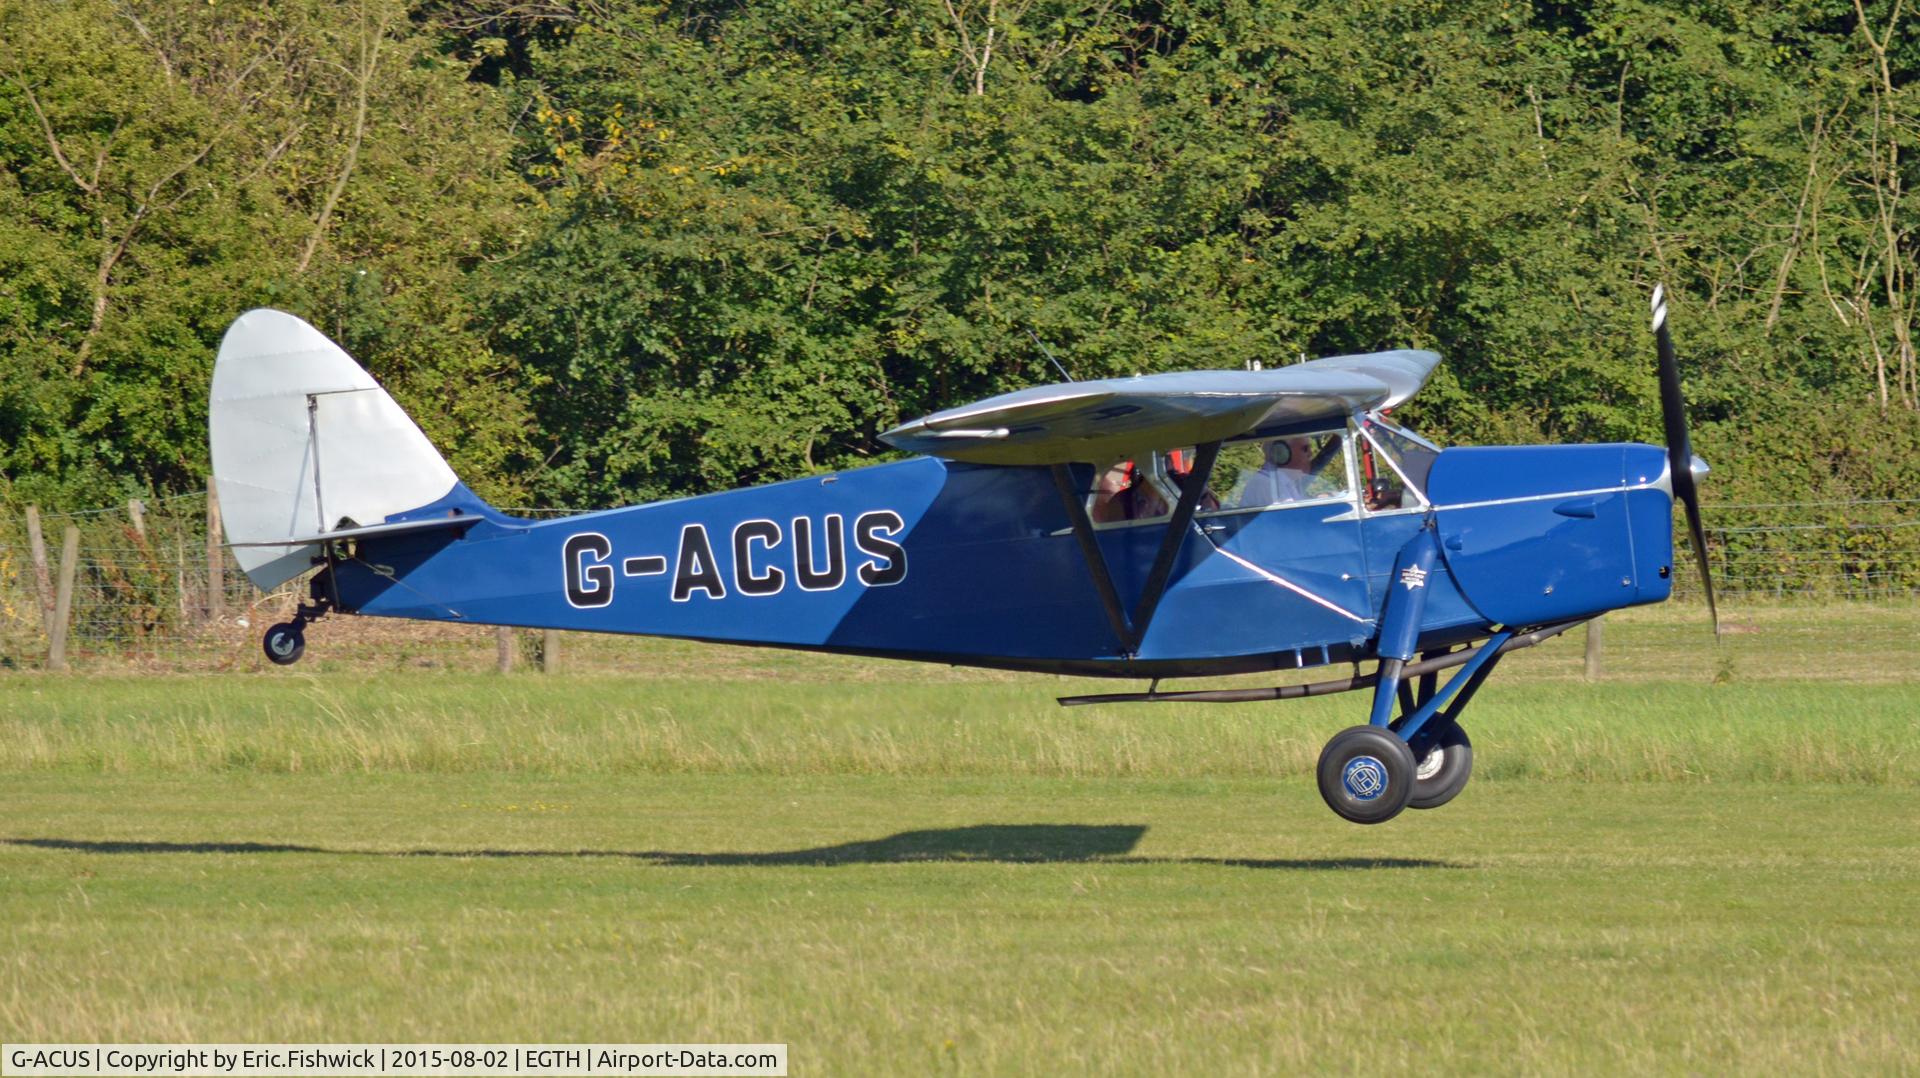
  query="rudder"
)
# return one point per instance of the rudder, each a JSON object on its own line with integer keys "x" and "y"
{"x": 303, "y": 441}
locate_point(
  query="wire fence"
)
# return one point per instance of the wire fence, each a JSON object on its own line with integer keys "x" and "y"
{"x": 1867, "y": 549}
{"x": 148, "y": 589}
{"x": 143, "y": 582}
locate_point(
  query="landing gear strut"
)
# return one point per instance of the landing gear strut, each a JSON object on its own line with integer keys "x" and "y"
{"x": 287, "y": 641}
{"x": 1428, "y": 733}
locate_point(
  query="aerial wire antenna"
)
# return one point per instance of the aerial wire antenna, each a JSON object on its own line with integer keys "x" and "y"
{"x": 1050, "y": 356}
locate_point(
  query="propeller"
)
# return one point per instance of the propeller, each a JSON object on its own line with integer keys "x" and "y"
{"x": 1680, "y": 458}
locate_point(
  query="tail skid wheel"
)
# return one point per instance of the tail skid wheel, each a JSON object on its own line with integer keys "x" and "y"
{"x": 284, "y": 644}
{"x": 1366, "y": 774}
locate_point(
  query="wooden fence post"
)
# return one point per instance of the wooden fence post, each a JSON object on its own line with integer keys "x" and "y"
{"x": 43, "y": 582}
{"x": 216, "y": 565}
{"x": 1595, "y": 628}
{"x": 549, "y": 651}
{"x": 503, "y": 649}
{"x": 137, "y": 513}
{"x": 63, "y": 603}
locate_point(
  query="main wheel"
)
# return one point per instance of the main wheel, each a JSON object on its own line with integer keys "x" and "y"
{"x": 284, "y": 644}
{"x": 1366, "y": 774}
{"x": 1443, "y": 772}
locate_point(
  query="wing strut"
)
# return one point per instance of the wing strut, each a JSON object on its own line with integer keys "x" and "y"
{"x": 1196, "y": 485}
{"x": 1090, "y": 550}
{"x": 1132, "y": 630}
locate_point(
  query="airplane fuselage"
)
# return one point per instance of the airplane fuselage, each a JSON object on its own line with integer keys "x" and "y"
{"x": 978, "y": 565}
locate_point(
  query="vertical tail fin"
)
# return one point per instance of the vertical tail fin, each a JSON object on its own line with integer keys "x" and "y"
{"x": 305, "y": 441}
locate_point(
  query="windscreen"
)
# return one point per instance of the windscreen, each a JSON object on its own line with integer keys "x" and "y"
{"x": 1395, "y": 467}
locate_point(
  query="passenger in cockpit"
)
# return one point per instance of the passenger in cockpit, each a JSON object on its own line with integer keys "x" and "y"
{"x": 1124, "y": 494}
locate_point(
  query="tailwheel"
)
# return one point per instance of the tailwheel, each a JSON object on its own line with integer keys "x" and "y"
{"x": 287, "y": 641}
{"x": 284, "y": 644}
{"x": 1443, "y": 772}
{"x": 1366, "y": 774}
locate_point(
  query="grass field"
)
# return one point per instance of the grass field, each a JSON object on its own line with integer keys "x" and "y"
{"x": 1708, "y": 861}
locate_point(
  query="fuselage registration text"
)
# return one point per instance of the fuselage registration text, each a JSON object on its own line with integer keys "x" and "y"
{"x": 767, "y": 556}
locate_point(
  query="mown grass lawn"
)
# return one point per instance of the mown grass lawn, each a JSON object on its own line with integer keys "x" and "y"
{"x": 879, "y": 923}
{"x": 1656, "y": 872}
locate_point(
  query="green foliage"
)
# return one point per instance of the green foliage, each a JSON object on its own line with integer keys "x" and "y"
{"x": 165, "y": 167}
{"x": 610, "y": 252}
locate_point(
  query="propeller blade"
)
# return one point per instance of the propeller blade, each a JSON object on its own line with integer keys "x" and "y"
{"x": 1680, "y": 458}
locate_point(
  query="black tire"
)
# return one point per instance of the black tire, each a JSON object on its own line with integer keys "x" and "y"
{"x": 1366, "y": 774}
{"x": 284, "y": 644}
{"x": 1442, "y": 773}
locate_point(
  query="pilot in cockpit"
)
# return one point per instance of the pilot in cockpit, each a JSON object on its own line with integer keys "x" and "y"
{"x": 1282, "y": 475}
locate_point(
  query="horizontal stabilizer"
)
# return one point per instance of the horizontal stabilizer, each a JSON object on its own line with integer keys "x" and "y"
{"x": 370, "y": 530}
{"x": 1114, "y": 417}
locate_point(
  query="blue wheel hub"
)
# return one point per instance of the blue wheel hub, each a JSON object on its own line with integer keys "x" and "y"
{"x": 1364, "y": 778}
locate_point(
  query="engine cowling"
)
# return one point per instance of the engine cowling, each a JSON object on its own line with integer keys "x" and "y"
{"x": 1535, "y": 534}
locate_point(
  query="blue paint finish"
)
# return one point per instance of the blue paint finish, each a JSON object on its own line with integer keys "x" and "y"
{"x": 1407, "y": 597}
{"x": 1467, "y": 474}
{"x": 984, "y": 564}
{"x": 1448, "y": 618}
{"x": 460, "y": 501}
{"x": 1541, "y": 533}
{"x": 1309, "y": 547}
{"x": 932, "y": 559}
{"x": 513, "y": 573}
{"x": 994, "y": 573}
{"x": 1385, "y": 691}
{"x": 1401, "y": 619}
{"x": 1650, "y": 519}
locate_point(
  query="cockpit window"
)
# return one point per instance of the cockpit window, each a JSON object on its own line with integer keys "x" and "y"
{"x": 1415, "y": 458}
{"x": 1394, "y": 466}
{"x": 1124, "y": 490}
{"x": 1272, "y": 472}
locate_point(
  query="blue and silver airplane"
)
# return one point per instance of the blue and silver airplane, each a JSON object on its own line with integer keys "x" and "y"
{"x": 1170, "y": 525}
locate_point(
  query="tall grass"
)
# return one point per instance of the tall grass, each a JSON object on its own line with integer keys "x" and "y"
{"x": 459, "y": 723}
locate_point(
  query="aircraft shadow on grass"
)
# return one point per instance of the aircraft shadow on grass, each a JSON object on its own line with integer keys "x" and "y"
{"x": 993, "y": 843}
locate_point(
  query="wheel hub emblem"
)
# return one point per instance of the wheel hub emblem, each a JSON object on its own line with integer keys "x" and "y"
{"x": 282, "y": 644}
{"x": 1364, "y": 777}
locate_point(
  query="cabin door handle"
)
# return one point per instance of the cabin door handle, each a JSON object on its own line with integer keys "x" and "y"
{"x": 1578, "y": 507}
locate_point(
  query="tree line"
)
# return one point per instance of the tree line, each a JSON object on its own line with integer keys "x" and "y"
{"x": 607, "y": 252}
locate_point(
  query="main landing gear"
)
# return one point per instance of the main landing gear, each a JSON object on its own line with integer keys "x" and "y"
{"x": 1422, "y": 759}
{"x": 287, "y": 641}
{"x": 1368, "y": 774}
